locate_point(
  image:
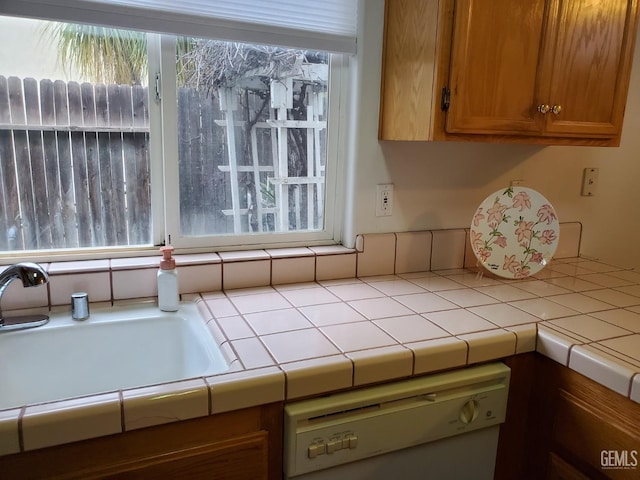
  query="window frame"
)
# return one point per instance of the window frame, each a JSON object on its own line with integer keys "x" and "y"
{"x": 165, "y": 221}
{"x": 334, "y": 151}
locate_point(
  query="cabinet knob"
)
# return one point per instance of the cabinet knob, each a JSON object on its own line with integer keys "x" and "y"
{"x": 556, "y": 109}
{"x": 544, "y": 108}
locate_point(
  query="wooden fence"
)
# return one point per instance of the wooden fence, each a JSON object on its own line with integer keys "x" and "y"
{"x": 75, "y": 170}
{"x": 69, "y": 156}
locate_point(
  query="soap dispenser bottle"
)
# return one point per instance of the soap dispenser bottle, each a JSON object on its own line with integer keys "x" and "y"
{"x": 168, "y": 299}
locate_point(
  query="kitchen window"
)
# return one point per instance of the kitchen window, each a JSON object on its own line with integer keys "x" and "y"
{"x": 219, "y": 143}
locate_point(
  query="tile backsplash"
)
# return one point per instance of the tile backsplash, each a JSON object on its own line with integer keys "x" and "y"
{"x": 374, "y": 255}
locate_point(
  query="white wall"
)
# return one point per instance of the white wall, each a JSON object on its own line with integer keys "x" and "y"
{"x": 26, "y": 52}
{"x": 439, "y": 185}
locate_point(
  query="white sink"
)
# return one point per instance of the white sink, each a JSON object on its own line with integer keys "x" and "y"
{"x": 116, "y": 348}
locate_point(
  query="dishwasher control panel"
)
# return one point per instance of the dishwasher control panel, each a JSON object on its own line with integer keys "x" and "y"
{"x": 344, "y": 427}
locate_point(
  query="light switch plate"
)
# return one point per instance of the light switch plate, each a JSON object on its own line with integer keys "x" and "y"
{"x": 589, "y": 182}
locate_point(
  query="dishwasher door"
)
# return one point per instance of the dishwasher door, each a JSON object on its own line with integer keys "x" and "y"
{"x": 443, "y": 426}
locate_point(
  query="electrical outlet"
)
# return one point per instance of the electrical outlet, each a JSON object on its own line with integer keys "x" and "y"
{"x": 384, "y": 200}
{"x": 589, "y": 182}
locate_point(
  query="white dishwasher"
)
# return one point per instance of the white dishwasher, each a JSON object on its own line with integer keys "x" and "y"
{"x": 444, "y": 426}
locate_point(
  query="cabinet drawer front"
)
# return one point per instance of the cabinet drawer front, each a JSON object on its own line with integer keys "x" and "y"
{"x": 582, "y": 432}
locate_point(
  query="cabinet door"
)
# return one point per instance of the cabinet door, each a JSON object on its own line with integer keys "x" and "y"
{"x": 494, "y": 67}
{"x": 589, "y": 69}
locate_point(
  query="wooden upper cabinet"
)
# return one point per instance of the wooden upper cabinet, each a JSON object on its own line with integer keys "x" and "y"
{"x": 494, "y": 64}
{"x": 540, "y": 71}
{"x": 589, "y": 68}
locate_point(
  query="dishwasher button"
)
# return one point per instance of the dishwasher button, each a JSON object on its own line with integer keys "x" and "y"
{"x": 334, "y": 445}
{"x": 353, "y": 441}
{"x": 315, "y": 449}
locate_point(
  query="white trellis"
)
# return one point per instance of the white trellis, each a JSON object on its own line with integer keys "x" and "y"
{"x": 281, "y": 101}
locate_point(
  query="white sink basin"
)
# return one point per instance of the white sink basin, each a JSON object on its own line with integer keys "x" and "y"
{"x": 116, "y": 348}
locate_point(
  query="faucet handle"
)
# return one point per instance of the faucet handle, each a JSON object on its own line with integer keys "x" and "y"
{"x": 80, "y": 306}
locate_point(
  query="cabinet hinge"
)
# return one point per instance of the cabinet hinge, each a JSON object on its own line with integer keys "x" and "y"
{"x": 445, "y": 99}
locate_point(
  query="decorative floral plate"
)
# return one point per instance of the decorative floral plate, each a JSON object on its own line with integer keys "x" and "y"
{"x": 514, "y": 232}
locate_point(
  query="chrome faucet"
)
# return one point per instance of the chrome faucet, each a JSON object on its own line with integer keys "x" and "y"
{"x": 31, "y": 275}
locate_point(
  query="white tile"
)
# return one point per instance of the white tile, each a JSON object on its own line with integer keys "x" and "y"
{"x": 199, "y": 278}
{"x": 71, "y": 420}
{"x": 398, "y": 286}
{"x": 526, "y": 337}
{"x": 425, "y": 302}
{"x": 438, "y": 354}
{"x": 602, "y": 368}
{"x": 447, "y": 249}
{"x": 234, "y": 391}
{"x": 575, "y": 284}
{"x": 355, "y": 291}
{"x": 569, "y": 240}
{"x": 467, "y": 297}
{"x": 159, "y": 404}
{"x": 435, "y": 283}
{"x": 475, "y": 279}
{"x": 9, "y": 435}
{"x": 377, "y": 254}
{"x": 503, "y": 315}
{"x": 330, "y": 314}
{"x": 88, "y": 266}
{"x": 350, "y": 337}
{"x": 381, "y": 364}
{"x": 221, "y": 307}
{"x": 17, "y": 297}
{"x": 243, "y": 256}
{"x": 580, "y": 303}
{"x": 622, "y": 318}
{"x": 569, "y": 268}
{"x": 628, "y": 346}
{"x": 543, "y": 308}
{"x": 540, "y": 288}
{"x": 317, "y": 376}
{"x": 329, "y": 267}
{"x": 491, "y": 345}
{"x": 97, "y": 285}
{"x": 274, "y": 321}
{"x": 605, "y": 280}
{"x": 253, "y": 273}
{"x": 599, "y": 267}
{"x": 252, "y": 353}
{"x": 295, "y": 252}
{"x": 293, "y": 270}
{"x": 505, "y": 293}
{"x": 260, "y": 302}
{"x": 322, "y": 250}
{"x": 554, "y": 344}
{"x": 374, "y": 308}
{"x": 458, "y": 322}
{"x": 629, "y": 275}
{"x": 614, "y": 298}
{"x": 635, "y": 388}
{"x": 298, "y": 345}
{"x": 309, "y": 296}
{"x": 413, "y": 252}
{"x": 137, "y": 283}
{"x": 197, "y": 259}
{"x": 411, "y": 328}
{"x": 630, "y": 290}
{"x": 588, "y": 327}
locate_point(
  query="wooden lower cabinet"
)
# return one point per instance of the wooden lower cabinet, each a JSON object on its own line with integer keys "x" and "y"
{"x": 240, "y": 445}
{"x": 568, "y": 427}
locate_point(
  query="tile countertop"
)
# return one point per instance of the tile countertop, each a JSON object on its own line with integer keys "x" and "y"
{"x": 292, "y": 341}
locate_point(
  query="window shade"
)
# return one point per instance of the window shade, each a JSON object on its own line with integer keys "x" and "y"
{"x": 310, "y": 24}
